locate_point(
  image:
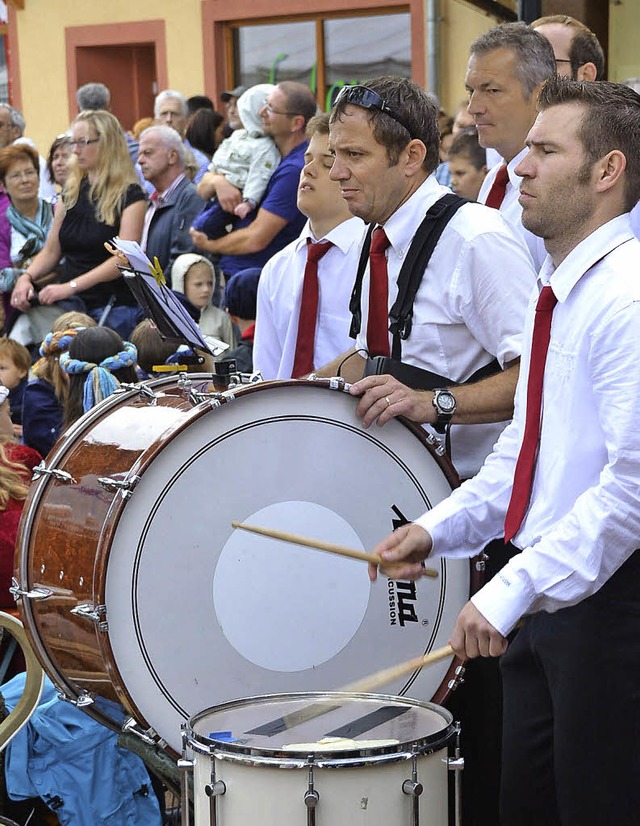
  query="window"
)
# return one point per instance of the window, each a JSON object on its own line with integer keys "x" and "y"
{"x": 325, "y": 53}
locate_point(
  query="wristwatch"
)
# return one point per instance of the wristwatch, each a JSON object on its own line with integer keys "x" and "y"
{"x": 73, "y": 285}
{"x": 445, "y": 404}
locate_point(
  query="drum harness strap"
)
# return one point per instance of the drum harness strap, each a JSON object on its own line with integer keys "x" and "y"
{"x": 401, "y": 314}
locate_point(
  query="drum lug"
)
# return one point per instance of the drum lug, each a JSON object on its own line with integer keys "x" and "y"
{"x": 436, "y": 444}
{"x": 185, "y": 769}
{"x": 122, "y": 486}
{"x": 481, "y": 562}
{"x": 149, "y": 736}
{"x": 215, "y": 789}
{"x": 456, "y": 764}
{"x": 58, "y": 475}
{"x": 144, "y": 391}
{"x": 311, "y": 796}
{"x": 35, "y": 593}
{"x": 84, "y": 699}
{"x": 95, "y": 613}
{"x": 457, "y": 679}
{"x": 414, "y": 788}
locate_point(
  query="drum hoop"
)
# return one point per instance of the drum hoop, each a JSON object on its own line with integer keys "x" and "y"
{"x": 30, "y": 509}
{"x": 342, "y": 758}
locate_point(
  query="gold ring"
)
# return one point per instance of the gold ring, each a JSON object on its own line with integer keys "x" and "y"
{"x": 388, "y": 401}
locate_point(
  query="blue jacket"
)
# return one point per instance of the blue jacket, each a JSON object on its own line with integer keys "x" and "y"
{"x": 73, "y": 763}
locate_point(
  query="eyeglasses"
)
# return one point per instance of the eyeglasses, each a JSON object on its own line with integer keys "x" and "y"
{"x": 273, "y": 111}
{"x": 562, "y": 60}
{"x": 25, "y": 175}
{"x": 82, "y": 141}
{"x": 368, "y": 99}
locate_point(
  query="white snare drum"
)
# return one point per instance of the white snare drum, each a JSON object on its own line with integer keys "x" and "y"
{"x": 356, "y": 759}
{"x": 156, "y": 605}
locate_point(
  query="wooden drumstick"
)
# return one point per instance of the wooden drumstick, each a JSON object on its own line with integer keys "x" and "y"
{"x": 319, "y": 545}
{"x": 388, "y": 675}
{"x": 366, "y": 685}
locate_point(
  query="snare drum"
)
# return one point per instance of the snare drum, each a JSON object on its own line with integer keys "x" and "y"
{"x": 361, "y": 759}
{"x": 141, "y": 600}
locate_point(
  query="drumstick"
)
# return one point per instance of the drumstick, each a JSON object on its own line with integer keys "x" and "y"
{"x": 388, "y": 675}
{"x": 365, "y": 685}
{"x": 319, "y": 545}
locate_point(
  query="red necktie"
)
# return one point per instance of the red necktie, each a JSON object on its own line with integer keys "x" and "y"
{"x": 303, "y": 360}
{"x": 378, "y": 319}
{"x": 498, "y": 188}
{"x": 521, "y": 490}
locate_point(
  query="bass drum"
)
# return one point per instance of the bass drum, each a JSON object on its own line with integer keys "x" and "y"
{"x": 145, "y": 606}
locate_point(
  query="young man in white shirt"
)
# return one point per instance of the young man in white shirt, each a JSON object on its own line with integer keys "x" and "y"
{"x": 281, "y": 290}
{"x": 570, "y": 494}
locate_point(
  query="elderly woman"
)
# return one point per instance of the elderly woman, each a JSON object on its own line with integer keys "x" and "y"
{"x": 101, "y": 199}
{"x": 29, "y": 222}
{"x": 58, "y": 161}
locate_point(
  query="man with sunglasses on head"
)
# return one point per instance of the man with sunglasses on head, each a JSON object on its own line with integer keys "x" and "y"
{"x": 468, "y": 311}
{"x": 277, "y": 221}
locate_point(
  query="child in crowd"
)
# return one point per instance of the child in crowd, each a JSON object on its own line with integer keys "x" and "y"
{"x": 15, "y": 363}
{"x": 240, "y": 297}
{"x": 45, "y": 395}
{"x": 467, "y": 164}
{"x": 193, "y": 276}
{"x": 94, "y": 358}
{"x": 247, "y": 159}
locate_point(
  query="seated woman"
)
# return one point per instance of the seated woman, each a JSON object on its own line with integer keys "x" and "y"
{"x": 58, "y": 162}
{"x": 45, "y": 395}
{"x": 101, "y": 199}
{"x": 29, "y": 222}
{"x": 94, "y": 358}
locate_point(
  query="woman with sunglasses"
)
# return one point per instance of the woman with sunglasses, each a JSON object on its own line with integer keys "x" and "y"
{"x": 101, "y": 199}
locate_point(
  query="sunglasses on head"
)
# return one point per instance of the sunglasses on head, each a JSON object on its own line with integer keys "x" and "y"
{"x": 368, "y": 99}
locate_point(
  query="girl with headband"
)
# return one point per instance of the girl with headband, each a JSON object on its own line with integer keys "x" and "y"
{"x": 97, "y": 362}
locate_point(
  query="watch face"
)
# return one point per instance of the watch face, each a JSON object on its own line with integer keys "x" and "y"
{"x": 446, "y": 403}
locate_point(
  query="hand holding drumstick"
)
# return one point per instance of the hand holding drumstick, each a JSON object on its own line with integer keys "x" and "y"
{"x": 320, "y": 545}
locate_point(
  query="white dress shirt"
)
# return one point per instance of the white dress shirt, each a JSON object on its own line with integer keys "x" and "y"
{"x": 510, "y": 207}
{"x": 583, "y": 519}
{"x": 280, "y": 294}
{"x": 470, "y": 305}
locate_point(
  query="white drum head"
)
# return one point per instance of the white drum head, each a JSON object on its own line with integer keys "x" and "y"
{"x": 200, "y": 614}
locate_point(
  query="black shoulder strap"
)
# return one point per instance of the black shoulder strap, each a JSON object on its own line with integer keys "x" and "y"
{"x": 410, "y": 276}
{"x": 355, "y": 307}
{"x": 412, "y": 271}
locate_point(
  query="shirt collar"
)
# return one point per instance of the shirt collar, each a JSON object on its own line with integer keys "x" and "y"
{"x": 583, "y": 257}
{"x": 344, "y": 236}
{"x": 401, "y": 227}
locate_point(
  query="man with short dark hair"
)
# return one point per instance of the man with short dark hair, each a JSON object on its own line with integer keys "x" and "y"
{"x": 467, "y": 314}
{"x": 577, "y": 50}
{"x": 277, "y": 221}
{"x": 506, "y": 69}
{"x": 563, "y": 482}
{"x": 230, "y": 100}
{"x": 175, "y": 202}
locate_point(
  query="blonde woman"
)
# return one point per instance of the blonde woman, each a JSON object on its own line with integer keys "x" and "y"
{"x": 101, "y": 199}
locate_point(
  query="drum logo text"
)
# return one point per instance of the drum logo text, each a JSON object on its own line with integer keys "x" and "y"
{"x": 402, "y": 599}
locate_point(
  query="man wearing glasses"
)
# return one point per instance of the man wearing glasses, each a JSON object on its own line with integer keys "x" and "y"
{"x": 277, "y": 221}
{"x": 577, "y": 50}
{"x": 12, "y": 127}
{"x": 468, "y": 311}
